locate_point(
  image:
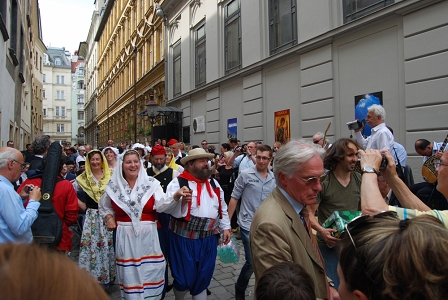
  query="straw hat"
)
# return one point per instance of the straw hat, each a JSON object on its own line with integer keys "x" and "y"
{"x": 195, "y": 154}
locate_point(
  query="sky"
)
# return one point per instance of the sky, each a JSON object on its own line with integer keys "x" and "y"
{"x": 65, "y": 23}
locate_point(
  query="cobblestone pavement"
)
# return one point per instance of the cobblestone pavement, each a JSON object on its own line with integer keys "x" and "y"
{"x": 222, "y": 286}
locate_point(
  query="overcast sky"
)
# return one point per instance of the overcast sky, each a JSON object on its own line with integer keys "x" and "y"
{"x": 65, "y": 23}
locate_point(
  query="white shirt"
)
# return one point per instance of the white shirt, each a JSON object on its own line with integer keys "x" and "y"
{"x": 381, "y": 138}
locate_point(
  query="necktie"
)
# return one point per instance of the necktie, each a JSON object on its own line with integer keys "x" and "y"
{"x": 305, "y": 217}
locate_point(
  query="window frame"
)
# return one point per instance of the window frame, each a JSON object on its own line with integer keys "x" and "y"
{"x": 364, "y": 11}
{"x": 177, "y": 58}
{"x": 199, "y": 43}
{"x": 229, "y": 19}
{"x": 273, "y": 48}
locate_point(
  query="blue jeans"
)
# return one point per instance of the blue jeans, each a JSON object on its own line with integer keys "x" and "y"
{"x": 330, "y": 256}
{"x": 247, "y": 270}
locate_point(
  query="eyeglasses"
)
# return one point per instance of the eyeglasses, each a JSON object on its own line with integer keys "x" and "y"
{"x": 22, "y": 166}
{"x": 264, "y": 158}
{"x": 438, "y": 163}
{"x": 203, "y": 144}
{"x": 317, "y": 141}
{"x": 313, "y": 180}
{"x": 362, "y": 219}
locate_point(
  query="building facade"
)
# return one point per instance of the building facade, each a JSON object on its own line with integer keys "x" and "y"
{"x": 20, "y": 66}
{"x": 252, "y": 60}
{"x": 130, "y": 66}
{"x": 78, "y": 99}
{"x": 57, "y": 95}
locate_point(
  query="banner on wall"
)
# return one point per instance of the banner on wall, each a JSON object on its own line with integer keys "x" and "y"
{"x": 232, "y": 128}
{"x": 362, "y": 102}
{"x": 281, "y": 126}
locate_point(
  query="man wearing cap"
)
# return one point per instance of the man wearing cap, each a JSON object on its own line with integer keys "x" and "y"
{"x": 164, "y": 175}
{"x": 177, "y": 155}
{"x": 193, "y": 241}
{"x": 81, "y": 156}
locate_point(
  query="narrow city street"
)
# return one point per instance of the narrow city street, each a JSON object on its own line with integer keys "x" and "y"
{"x": 222, "y": 286}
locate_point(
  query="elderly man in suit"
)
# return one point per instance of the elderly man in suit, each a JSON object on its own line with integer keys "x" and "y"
{"x": 280, "y": 229}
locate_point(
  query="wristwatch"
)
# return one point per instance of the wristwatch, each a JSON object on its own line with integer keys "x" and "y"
{"x": 331, "y": 284}
{"x": 368, "y": 169}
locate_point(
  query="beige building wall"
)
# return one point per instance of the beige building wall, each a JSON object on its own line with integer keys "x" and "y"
{"x": 400, "y": 50}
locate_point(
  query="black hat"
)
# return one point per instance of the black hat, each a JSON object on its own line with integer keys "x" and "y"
{"x": 69, "y": 162}
{"x": 82, "y": 163}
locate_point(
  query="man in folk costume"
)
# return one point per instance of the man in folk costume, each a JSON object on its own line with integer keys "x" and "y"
{"x": 164, "y": 175}
{"x": 193, "y": 242}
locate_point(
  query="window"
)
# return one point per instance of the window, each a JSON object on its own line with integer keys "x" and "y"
{"x": 176, "y": 69}
{"x": 58, "y": 95}
{"x": 57, "y": 111}
{"x": 44, "y": 94}
{"x": 45, "y": 59}
{"x": 354, "y": 9}
{"x": 62, "y": 79}
{"x": 63, "y": 111}
{"x": 80, "y": 99}
{"x": 200, "y": 55}
{"x": 232, "y": 36}
{"x": 80, "y": 115}
{"x": 45, "y": 111}
{"x": 60, "y": 128}
{"x": 44, "y": 77}
{"x": 57, "y": 61}
{"x": 282, "y": 25}
{"x": 57, "y": 79}
{"x": 62, "y": 95}
{"x": 81, "y": 71}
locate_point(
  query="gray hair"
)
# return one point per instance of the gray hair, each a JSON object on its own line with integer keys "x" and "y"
{"x": 319, "y": 134}
{"x": 291, "y": 157}
{"x": 228, "y": 154}
{"x": 7, "y": 154}
{"x": 40, "y": 144}
{"x": 378, "y": 110}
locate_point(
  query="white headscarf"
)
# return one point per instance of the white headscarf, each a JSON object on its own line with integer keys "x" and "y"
{"x": 131, "y": 201}
{"x": 114, "y": 150}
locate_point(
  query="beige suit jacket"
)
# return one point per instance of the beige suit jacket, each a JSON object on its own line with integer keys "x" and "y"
{"x": 277, "y": 234}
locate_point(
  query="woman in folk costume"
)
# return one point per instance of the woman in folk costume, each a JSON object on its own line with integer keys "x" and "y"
{"x": 111, "y": 155}
{"x": 96, "y": 253}
{"x": 130, "y": 204}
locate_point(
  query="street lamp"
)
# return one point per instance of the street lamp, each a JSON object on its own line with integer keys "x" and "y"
{"x": 153, "y": 114}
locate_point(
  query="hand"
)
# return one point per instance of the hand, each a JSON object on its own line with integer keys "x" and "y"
{"x": 370, "y": 157}
{"x": 391, "y": 169}
{"x": 438, "y": 154}
{"x": 330, "y": 240}
{"x": 110, "y": 223}
{"x": 183, "y": 192}
{"x": 35, "y": 194}
{"x": 25, "y": 192}
{"x": 226, "y": 234}
{"x": 334, "y": 295}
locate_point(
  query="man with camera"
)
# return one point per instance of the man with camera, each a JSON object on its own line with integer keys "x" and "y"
{"x": 372, "y": 201}
{"x": 244, "y": 160}
{"x": 381, "y": 138}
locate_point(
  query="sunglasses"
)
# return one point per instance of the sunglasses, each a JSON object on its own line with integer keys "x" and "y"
{"x": 362, "y": 219}
{"x": 313, "y": 180}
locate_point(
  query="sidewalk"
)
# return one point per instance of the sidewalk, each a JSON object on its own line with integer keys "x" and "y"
{"x": 222, "y": 286}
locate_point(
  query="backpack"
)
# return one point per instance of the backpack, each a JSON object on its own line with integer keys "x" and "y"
{"x": 47, "y": 228}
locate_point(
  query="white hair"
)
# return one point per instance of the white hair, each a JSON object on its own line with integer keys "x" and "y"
{"x": 6, "y": 155}
{"x": 378, "y": 110}
{"x": 291, "y": 157}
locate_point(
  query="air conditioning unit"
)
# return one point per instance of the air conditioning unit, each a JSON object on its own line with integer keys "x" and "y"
{"x": 199, "y": 124}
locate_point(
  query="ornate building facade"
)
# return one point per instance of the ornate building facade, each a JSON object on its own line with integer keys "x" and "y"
{"x": 131, "y": 68}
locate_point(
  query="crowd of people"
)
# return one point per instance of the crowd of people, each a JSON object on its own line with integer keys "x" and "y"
{"x": 145, "y": 208}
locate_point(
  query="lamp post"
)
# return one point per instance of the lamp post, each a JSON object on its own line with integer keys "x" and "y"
{"x": 107, "y": 96}
{"x": 151, "y": 111}
{"x": 135, "y": 94}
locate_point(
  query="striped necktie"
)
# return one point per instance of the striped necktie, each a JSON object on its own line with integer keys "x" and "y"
{"x": 305, "y": 217}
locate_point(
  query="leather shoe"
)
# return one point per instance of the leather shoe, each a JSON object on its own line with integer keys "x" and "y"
{"x": 240, "y": 295}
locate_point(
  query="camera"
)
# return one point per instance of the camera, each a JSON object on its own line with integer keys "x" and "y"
{"x": 383, "y": 162}
{"x": 356, "y": 124}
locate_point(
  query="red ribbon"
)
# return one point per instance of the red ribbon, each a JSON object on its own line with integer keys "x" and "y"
{"x": 186, "y": 175}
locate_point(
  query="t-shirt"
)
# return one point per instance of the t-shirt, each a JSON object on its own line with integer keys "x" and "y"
{"x": 405, "y": 213}
{"x": 335, "y": 197}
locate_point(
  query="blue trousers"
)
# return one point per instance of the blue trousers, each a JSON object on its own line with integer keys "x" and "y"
{"x": 247, "y": 270}
{"x": 330, "y": 256}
